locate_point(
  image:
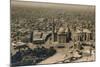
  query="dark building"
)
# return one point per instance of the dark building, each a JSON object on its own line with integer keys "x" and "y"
{"x": 40, "y": 37}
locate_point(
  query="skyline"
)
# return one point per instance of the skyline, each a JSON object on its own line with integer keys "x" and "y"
{"x": 80, "y": 2}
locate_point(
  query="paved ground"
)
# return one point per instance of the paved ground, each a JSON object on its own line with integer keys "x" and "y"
{"x": 56, "y": 58}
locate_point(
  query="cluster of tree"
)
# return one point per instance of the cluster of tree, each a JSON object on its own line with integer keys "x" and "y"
{"x": 31, "y": 56}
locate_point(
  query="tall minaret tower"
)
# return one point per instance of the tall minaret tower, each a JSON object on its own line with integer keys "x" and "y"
{"x": 54, "y": 30}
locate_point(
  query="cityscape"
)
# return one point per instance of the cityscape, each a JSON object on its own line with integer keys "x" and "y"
{"x": 51, "y": 33}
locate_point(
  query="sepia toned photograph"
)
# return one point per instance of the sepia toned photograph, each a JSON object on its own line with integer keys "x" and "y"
{"x": 51, "y": 33}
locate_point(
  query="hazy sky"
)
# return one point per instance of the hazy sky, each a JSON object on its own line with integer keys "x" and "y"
{"x": 86, "y": 2}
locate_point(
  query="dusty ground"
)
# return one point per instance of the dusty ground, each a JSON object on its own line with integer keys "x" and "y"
{"x": 63, "y": 55}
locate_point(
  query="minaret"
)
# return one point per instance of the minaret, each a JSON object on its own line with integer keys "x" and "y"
{"x": 53, "y": 30}
{"x": 30, "y": 36}
{"x": 68, "y": 34}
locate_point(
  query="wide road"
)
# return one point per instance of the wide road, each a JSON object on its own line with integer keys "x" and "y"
{"x": 54, "y": 59}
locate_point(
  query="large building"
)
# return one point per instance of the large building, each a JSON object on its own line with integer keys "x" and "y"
{"x": 40, "y": 37}
{"x": 83, "y": 35}
{"x": 62, "y": 35}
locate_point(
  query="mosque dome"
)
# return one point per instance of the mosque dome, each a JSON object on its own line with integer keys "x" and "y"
{"x": 61, "y": 30}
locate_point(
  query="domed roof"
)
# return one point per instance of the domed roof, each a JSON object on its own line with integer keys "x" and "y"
{"x": 66, "y": 30}
{"x": 78, "y": 31}
{"x": 61, "y": 30}
{"x": 86, "y": 30}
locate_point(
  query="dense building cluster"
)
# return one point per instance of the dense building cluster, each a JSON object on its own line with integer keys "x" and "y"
{"x": 36, "y": 30}
{"x": 25, "y": 20}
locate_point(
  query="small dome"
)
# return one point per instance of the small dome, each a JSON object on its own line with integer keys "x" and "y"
{"x": 61, "y": 30}
{"x": 66, "y": 30}
{"x": 86, "y": 31}
{"x": 78, "y": 31}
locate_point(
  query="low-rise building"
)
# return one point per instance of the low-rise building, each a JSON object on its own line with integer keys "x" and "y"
{"x": 40, "y": 37}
